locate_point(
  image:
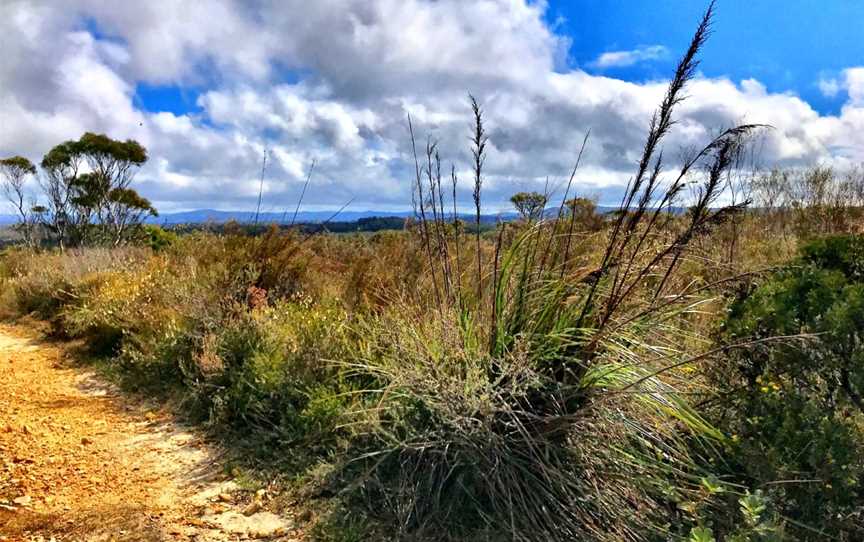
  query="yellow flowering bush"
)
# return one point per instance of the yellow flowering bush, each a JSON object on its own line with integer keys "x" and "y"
{"x": 135, "y": 302}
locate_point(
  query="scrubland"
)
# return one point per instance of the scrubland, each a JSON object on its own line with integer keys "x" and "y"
{"x": 541, "y": 399}
{"x": 687, "y": 368}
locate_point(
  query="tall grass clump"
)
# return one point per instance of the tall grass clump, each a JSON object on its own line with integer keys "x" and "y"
{"x": 43, "y": 283}
{"x": 547, "y": 405}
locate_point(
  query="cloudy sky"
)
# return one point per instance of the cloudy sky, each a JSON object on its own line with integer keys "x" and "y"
{"x": 208, "y": 85}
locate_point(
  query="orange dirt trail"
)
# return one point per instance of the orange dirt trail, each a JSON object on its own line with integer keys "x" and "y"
{"x": 79, "y": 461}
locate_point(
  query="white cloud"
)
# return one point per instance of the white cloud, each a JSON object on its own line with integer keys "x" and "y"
{"x": 851, "y": 81}
{"x": 829, "y": 87}
{"x": 854, "y": 84}
{"x": 617, "y": 59}
{"x": 357, "y": 68}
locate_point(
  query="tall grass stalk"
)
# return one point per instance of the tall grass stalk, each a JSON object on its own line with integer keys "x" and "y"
{"x": 506, "y": 430}
{"x": 478, "y": 151}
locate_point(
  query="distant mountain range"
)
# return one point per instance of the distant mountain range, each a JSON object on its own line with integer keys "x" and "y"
{"x": 213, "y": 216}
{"x": 204, "y": 216}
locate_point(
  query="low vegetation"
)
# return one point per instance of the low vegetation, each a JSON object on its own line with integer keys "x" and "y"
{"x": 686, "y": 368}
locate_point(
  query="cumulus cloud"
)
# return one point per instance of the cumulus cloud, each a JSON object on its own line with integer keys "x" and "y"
{"x": 334, "y": 81}
{"x": 618, "y": 59}
{"x": 829, "y": 87}
{"x": 854, "y": 84}
{"x": 851, "y": 81}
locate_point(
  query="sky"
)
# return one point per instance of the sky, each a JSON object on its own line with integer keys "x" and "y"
{"x": 210, "y": 86}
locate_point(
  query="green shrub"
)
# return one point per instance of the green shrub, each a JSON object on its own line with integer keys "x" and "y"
{"x": 754, "y": 522}
{"x": 274, "y": 368}
{"x": 157, "y": 238}
{"x": 794, "y": 406}
{"x": 821, "y": 298}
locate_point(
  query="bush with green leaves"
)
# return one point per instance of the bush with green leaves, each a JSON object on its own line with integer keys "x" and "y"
{"x": 794, "y": 406}
{"x": 754, "y": 522}
{"x": 274, "y": 369}
{"x": 821, "y": 298}
{"x": 157, "y": 238}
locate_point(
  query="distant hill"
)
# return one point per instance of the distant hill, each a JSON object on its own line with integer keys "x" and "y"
{"x": 204, "y": 216}
{"x": 213, "y": 216}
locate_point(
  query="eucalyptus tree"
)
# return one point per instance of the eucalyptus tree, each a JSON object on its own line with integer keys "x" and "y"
{"x": 14, "y": 172}
{"x": 87, "y": 185}
{"x": 529, "y": 205}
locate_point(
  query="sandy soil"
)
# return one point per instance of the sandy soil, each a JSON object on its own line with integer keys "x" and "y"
{"x": 81, "y": 461}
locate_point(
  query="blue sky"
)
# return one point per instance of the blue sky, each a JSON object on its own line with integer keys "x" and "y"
{"x": 787, "y": 45}
{"x": 209, "y": 87}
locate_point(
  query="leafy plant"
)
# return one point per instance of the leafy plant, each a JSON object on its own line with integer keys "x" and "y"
{"x": 795, "y": 407}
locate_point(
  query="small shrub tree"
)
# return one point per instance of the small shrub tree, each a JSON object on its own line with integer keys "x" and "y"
{"x": 60, "y": 170}
{"x": 14, "y": 172}
{"x": 584, "y": 213}
{"x": 529, "y": 205}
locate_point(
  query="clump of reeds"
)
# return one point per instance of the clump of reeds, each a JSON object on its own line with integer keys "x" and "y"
{"x": 541, "y": 402}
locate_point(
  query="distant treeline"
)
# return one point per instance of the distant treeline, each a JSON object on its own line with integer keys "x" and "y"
{"x": 361, "y": 225}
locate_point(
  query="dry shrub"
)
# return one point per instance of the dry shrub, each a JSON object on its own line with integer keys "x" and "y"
{"x": 43, "y": 282}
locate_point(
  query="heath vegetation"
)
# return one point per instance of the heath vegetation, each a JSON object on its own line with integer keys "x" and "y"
{"x": 689, "y": 367}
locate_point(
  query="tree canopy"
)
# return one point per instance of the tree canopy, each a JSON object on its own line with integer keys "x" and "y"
{"x": 17, "y": 166}
{"x": 529, "y": 205}
{"x": 86, "y": 184}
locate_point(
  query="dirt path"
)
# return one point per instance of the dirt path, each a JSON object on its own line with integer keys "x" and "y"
{"x": 79, "y": 461}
